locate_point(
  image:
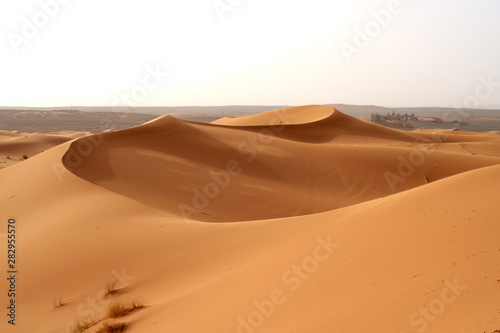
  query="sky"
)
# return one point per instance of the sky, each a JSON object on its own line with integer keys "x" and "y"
{"x": 392, "y": 53}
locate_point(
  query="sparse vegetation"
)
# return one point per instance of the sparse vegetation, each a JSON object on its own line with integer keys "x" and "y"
{"x": 80, "y": 326}
{"x": 121, "y": 308}
{"x": 104, "y": 322}
{"x": 112, "y": 328}
{"x": 58, "y": 302}
{"x": 25, "y": 157}
{"x": 110, "y": 288}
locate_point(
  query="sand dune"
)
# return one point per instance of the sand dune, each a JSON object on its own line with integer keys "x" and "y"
{"x": 15, "y": 145}
{"x": 291, "y": 116}
{"x": 227, "y": 173}
{"x": 327, "y": 244}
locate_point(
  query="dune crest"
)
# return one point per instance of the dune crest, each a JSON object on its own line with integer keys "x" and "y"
{"x": 290, "y": 116}
{"x": 321, "y": 157}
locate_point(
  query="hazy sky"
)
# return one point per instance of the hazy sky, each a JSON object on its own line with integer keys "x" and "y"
{"x": 266, "y": 52}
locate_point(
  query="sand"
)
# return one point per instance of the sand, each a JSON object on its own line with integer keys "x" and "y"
{"x": 296, "y": 220}
{"x": 16, "y": 147}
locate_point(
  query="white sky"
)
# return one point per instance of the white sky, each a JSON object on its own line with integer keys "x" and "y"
{"x": 265, "y": 52}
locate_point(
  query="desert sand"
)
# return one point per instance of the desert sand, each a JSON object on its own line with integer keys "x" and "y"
{"x": 15, "y": 146}
{"x": 295, "y": 220}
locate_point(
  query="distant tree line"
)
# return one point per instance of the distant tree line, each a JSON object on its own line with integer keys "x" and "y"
{"x": 392, "y": 117}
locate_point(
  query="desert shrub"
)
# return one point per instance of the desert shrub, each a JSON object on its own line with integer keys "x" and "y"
{"x": 112, "y": 328}
{"x": 121, "y": 308}
{"x": 110, "y": 288}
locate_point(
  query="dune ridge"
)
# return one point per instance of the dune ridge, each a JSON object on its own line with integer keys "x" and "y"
{"x": 326, "y": 161}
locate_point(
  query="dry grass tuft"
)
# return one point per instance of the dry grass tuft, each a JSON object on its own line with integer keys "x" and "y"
{"x": 121, "y": 308}
{"x": 80, "y": 326}
{"x": 112, "y": 328}
{"x": 110, "y": 288}
{"x": 58, "y": 302}
{"x": 104, "y": 323}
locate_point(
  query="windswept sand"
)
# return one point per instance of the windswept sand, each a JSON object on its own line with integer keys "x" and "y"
{"x": 330, "y": 224}
{"x": 14, "y": 146}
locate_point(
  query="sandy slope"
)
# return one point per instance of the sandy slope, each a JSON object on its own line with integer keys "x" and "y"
{"x": 14, "y": 145}
{"x": 116, "y": 215}
{"x": 331, "y": 161}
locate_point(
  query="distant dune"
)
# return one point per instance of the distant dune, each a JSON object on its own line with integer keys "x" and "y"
{"x": 302, "y": 219}
{"x": 53, "y": 120}
{"x": 15, "y": 146}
